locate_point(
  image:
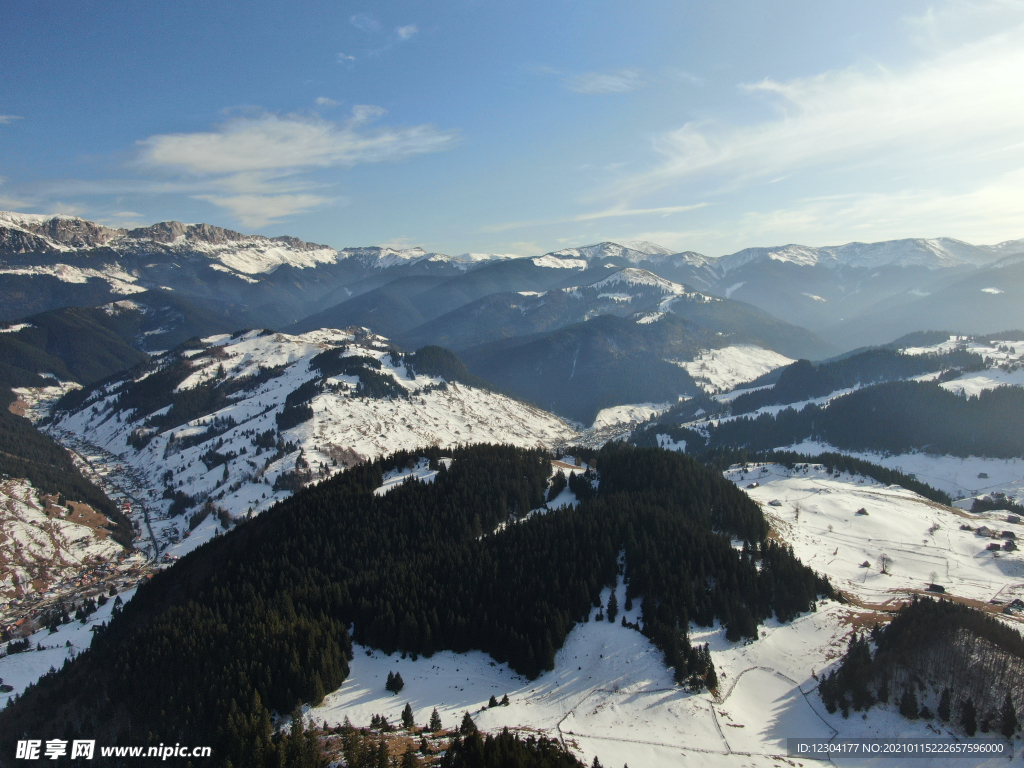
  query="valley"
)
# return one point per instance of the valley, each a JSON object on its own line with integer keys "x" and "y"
{"x": 228, "y": 446}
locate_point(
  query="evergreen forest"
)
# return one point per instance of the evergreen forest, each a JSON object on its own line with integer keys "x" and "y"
{"x": 261, "y": 615}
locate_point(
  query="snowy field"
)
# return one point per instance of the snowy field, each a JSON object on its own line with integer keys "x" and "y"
{"x": 720, "y": 370}
{"x": 628, "y": 414}
{"x": 960, "y": 477}
{"x": 20, "y": 669}
{"x": 817, "y": 513}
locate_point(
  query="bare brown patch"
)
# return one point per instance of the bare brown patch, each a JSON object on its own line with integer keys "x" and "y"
{"x": 19, "y": 407}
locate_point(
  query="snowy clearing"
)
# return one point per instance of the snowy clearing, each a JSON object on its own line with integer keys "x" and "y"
{"x": 720, "y": 370}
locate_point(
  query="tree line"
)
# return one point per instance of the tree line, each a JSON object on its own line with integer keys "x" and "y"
{"x": 969, "y": 665}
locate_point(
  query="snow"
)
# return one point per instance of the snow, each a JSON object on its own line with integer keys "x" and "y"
{"x": 396, "y": 477}
{"x": 554, "y": 262}
{"x": 611, "y": 696}
{"x": 119, "y": 280}
{"x": 955, "y": 475}
{"x": 15, "y": 328}
{"x": 666, "y": 442}
{"x": 932, "y": 253}
{"x": 19, "y": 670}
{"x": 650, "y": 317}
{"x": 973, "y": 384}
{"x": 634, "y": 251}
{"x": 345, "y": 428}
{"x": 628, "y": 414}
{"x": 718, "y": 370}
{"x": 634, "y": 276}
{"x": 818, "y": 517}
{"x": 733, "y": 288}
{"x": 42, "y": 543}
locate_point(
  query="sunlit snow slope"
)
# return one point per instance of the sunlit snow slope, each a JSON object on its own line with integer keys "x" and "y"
{"x": 235, "y": 458}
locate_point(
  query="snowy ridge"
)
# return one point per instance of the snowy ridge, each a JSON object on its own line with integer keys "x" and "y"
{"x": 634, "y": 276}
{"x": 634, "y": 251}
{"x": 227, "y": 249}
{"x": 217, "y": 458}
{"x": 935, "y": 253}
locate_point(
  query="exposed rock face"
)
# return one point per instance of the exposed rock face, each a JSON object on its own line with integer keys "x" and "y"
{"x": 19, "y": 241}
{"x": 77, "y": 233}
{"x": 169, "y": 231}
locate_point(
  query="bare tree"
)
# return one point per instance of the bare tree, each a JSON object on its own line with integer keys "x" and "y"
{"x": 884, "y": 563}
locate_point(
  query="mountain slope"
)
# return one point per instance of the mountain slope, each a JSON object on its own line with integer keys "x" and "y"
{"x": 627, "y": 292}
{"x": 235, "y": 423}
{"x": 604, "y": 362}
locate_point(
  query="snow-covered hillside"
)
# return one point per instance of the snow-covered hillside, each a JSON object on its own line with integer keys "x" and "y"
{"x": 721, "y": 370}
{"x": 234, "y": 458}
{"x": 44, "y": 541}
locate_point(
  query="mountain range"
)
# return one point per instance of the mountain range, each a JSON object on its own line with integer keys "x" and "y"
{"x": 525, "y": 323}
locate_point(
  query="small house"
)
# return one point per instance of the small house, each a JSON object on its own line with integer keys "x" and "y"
{"x": 1017, "y": 603}
{"x": 754, "y": 485}
{"x": 983, "y": 475}
{"x": 1009, "y": 546}
{"x": 1015, "y": 519}
{"x": 937, "y": 588}
{"x": 994, "y": 546}
{"x": 983, "y": 530}
{"x": 774, "y": 503}
{"x": 1008, "y": 535}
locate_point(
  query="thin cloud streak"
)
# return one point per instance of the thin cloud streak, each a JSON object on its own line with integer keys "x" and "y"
{"x": 610, "y": 213}
{"x": 623, "y": 81}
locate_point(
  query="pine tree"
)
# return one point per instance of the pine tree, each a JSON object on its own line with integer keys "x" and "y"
{"x": 493, "y": 702}
{"x": 409, "y": 759}
{"x": 613, "y": 606}
{"x": 390, "y": 684}
{"x": 969, "y": 717}
{"x": 435, "y": 721}
{"x": 399, "y": 682}
{"x": 944, "y": 706}
{"x": 1009, "y": 718}
{"x": 712, "y": 679}
{"x": 468, "y": 726}
{"x": 596, "y": 763}
{"x": 504, "y": 700}
{"x": 908, "y": 704}
{"x": 407, "y": 717}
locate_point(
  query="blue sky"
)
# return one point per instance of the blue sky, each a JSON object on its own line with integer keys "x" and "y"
{"x": 522, "y": 127}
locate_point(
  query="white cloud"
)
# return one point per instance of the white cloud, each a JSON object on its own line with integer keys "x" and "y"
{"x": 407, "y": 31}
{"x": 623, "y": 81}
{"x": 7, "y": 119}
{"x": 323, "y": 101}
{"x": 943, "y": 110}
{"x": 259, "y": 210}
{"x": 274, "y": 143}
{"x": 343, "y": 57}
{"x": 256, "y": 166}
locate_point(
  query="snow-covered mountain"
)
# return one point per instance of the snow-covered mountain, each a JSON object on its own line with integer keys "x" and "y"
{"x": 242, "y": 421}
{"x": 634, "y": 251}
{"x": 937, "y": 253}
{"x": 68, "y": 261}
